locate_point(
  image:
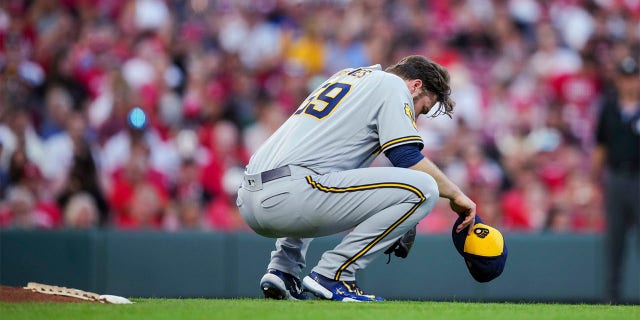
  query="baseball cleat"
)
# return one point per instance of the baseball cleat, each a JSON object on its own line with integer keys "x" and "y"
{"x": 280, "y": 285}
{"x": 325, "y": 288}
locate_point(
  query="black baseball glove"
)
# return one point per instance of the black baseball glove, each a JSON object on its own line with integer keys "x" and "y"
{"x": 403, "y": 245}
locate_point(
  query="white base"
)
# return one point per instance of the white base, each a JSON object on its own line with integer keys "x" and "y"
{"x": 115, "y": 299}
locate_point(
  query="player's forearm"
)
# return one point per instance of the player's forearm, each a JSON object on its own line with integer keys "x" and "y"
{"x": 447, "y": 188}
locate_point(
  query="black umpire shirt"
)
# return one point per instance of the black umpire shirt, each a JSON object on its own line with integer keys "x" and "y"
{"x": 620, "y": 134}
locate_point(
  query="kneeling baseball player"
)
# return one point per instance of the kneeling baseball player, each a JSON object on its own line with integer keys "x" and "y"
{"x": 313, "y": 178}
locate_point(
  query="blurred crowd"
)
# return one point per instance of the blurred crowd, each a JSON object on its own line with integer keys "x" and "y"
{"x": 142, "y": 114}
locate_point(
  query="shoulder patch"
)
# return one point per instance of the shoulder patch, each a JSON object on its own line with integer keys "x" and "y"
{"x": 409, "y": 112}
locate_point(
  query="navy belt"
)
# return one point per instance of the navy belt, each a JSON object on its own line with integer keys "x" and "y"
{"x": 276, "y": 173}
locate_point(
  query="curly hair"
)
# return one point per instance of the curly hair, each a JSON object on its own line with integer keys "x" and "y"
{"x": 435, "y": 79}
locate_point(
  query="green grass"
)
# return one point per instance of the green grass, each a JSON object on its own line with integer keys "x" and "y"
{"x": 173, "y": 309}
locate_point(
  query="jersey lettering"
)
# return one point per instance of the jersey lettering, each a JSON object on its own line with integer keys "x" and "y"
{"x": 359, "y": 73}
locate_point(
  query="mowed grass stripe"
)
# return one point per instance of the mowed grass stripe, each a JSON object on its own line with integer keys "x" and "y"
{"x": 173, "y": 309}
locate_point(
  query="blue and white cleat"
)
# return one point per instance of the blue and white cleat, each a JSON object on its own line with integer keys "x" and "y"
{"x": 280, "y": 285}
{"x": 325, "y": 288}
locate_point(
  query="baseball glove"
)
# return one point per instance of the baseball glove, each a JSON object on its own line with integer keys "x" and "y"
{"x": 403, "y": 245}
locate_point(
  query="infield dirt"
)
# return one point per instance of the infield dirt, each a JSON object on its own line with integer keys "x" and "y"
{"x": 18, "y": 294}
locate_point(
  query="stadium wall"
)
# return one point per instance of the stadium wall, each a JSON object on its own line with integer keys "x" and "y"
{"x": 540, "y": 268}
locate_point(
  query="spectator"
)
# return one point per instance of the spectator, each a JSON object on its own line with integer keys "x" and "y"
{"x": 61, "y": 75}
{"x": 270, "y": 116}
{"x": 83, "y": 178}
{"x": 525, "y": 204}
{"x": 162, "y": 154}
{"x": 191, "y": 217}
{"x": 256, "y": 40}
{"x": 228, "y": 158}
{"x": 58, "y": 104}
{"x": 20, "y": 212}
{"x": 29, "y": 203}
{"x": 558, "y": 220}
{"x": 19, "y": 133}
{"x": 61, "y": 147}
{"x": 138, "y": 193}
{"x": 306, "y": 50}
{"x": 344, "y": 47}
{"x": 81, "y": 212}
{"x": 550, "y": 58}
{"x": 188, "y": 197}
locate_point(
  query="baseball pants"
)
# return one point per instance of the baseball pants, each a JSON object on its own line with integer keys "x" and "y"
{"x": 623, "y": 214}
{"x": 374, "y": 206}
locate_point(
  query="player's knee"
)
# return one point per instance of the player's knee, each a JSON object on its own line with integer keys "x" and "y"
{"x": 427, "y": 185}
{"x": 429, "y": 189}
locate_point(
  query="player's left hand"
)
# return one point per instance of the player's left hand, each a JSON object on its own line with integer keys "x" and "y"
{"x": 403, "y": 245}
{"x": 464, "y": 206}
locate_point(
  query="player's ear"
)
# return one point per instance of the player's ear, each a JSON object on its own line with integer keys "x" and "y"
{"x": 414, "y": 85}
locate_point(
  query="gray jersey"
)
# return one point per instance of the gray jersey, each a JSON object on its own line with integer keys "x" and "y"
{"x": 373, "y": 108}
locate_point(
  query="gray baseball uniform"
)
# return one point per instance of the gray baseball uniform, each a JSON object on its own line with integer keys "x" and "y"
{"x": 322, "y": 183}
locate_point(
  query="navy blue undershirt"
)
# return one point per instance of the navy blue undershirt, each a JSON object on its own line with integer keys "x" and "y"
{"x": 404, "y": 156}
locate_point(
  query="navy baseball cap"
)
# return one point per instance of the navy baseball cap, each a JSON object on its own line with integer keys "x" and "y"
{"x": 483, "y": 250}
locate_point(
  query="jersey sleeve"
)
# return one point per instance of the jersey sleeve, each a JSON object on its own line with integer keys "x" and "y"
{"x": 396, "y": 119}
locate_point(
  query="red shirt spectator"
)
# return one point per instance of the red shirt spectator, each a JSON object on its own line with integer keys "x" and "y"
{"x": 138, "y": 193}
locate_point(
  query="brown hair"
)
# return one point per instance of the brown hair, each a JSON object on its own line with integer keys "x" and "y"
{"x": 435, "y": 79}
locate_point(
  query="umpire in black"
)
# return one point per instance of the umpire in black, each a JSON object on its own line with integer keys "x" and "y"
{"x": 616, "y": 158}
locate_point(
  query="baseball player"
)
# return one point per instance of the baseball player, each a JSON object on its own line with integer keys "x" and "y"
{"x": 312, "y": 178}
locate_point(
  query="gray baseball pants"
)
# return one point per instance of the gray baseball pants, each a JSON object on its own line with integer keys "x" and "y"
{"x": 375, "y": 206}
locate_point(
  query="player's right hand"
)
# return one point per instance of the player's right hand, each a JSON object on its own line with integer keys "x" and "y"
{"x": 465, "y": 207}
